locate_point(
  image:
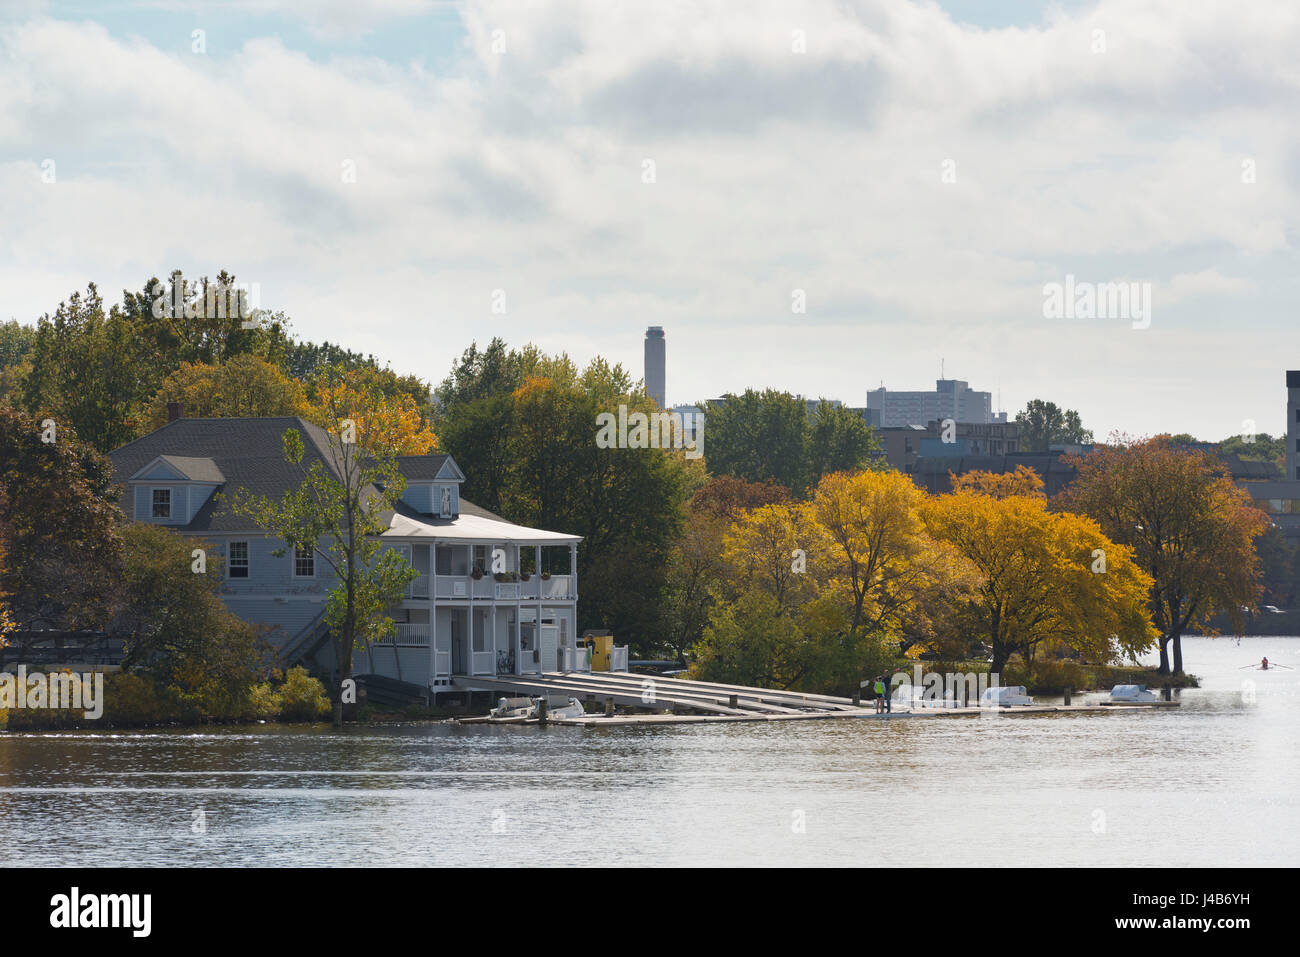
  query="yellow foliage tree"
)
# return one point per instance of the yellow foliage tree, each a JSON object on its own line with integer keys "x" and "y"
{"x": 883, "y": 571}
{"x": 1023, "y": 481}
{"x": 1045, "y": 577}
{"x": 243, "y": 386}
{"x": 355, "y": 403}
{"x": 764, "y": 550}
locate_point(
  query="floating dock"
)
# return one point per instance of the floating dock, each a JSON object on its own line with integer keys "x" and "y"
{"x": 708, "y": 701}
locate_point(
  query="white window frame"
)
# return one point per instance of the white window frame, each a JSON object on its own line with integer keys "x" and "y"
{"x": 153, "y": 504}
{"x": 444, "y": 501}
{"x": 247, "y": 566}
{"x": 311, "y": 557}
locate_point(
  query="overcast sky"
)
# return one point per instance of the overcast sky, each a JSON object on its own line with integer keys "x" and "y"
{"x": 919, "y": 170}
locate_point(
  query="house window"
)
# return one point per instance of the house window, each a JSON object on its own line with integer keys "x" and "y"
{"x": 237, "y": 567}
{"x": 446, "y": 502}
{"x": 480, "y": 558}
{"x": 304, "y": 561}
{"x": 162, "y": 503}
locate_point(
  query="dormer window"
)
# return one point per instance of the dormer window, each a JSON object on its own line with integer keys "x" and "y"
{"x": 162, "y": 503}
{"x": 446, "y": 502}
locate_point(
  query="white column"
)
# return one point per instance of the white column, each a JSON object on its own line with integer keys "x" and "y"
{"x": 573, "y": 571}
{"x": 433, "y": 611}
{"x": 492, "y": 646}
{"x": 537, "y": 577}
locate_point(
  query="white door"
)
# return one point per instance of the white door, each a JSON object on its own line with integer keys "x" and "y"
{"x": 550, "y": 647}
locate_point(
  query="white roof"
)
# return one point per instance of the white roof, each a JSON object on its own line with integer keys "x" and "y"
{"x": 473, "y": 529}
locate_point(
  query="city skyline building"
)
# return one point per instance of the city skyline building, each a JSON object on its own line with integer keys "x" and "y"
{"x": 656, "y": 366}
{"x": 951, "y": 399}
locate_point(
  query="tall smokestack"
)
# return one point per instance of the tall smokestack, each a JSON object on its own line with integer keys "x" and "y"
{"x": 654, "y": 365}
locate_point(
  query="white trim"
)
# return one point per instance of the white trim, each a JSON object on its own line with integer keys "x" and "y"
{"x": 294, "y": 559}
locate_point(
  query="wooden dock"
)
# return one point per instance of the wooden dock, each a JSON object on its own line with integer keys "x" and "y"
{"x": 680, "y": 701}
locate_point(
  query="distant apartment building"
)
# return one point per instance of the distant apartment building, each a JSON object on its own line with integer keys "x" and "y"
{"x": 656, "y": 366}
{"x": 1278, "y": 496}
{"x": 951, "y": 399}
{"x": 902, "y": 446}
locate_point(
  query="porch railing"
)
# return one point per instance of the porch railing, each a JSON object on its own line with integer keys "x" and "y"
{"x": 411, "y": 635}
{"x": 575, "y": 659}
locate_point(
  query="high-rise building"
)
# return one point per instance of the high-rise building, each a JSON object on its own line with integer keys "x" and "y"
{"x": 1293, "y": 424}
{"x": 655, "y": 366}
{"x": 951, "y": 399}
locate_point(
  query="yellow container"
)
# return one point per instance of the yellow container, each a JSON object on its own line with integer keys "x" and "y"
{"x": 602, "y": 647}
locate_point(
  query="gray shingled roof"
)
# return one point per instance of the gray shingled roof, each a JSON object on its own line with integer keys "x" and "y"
{"x": 419, "y": 468}
{"x": 195, "y": 469}
{"x": 247, "y": 453}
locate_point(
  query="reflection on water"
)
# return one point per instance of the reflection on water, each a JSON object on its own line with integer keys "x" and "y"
{"x": 1213, "y": 782}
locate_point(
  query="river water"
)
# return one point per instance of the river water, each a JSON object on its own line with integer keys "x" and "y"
{"x": 1215, "y": 782}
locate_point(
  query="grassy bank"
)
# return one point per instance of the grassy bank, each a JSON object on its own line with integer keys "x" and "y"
{"x": 1053, "y": 677}
{"x": 138, "y": 701}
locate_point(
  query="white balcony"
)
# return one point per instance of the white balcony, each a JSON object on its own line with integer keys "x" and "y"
{"x": 459, "y": 587}
{"x": 408, "y": 635}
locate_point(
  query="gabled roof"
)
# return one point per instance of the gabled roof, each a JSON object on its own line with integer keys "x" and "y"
{"x": 426, "y": 468}
{"x": 185, "y": 468}
{"x": 248, "y": 453}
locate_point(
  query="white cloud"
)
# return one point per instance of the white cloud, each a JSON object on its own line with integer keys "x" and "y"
{"x": 775, "y": 170}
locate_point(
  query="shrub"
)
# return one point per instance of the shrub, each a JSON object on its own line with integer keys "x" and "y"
{"x": 302, "y": 697}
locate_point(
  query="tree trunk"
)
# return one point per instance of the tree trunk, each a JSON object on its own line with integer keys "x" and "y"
{"x": 1164, "y": 655}
{"x": 999, "y": 659}
{"x": 1178, "y": 651}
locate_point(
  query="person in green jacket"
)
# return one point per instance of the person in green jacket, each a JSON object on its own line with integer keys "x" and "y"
{"x": 880, "y": 693}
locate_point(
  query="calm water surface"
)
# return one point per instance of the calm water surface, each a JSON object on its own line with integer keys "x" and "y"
{"x": 1215, "y": 782}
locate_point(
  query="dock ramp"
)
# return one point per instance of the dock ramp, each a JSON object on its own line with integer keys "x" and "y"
{"x": 651, "y": 691}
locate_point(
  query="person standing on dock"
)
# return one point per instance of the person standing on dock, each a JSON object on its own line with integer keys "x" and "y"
{"x": 879, "y": 689}
{"x": 885, "y": 693}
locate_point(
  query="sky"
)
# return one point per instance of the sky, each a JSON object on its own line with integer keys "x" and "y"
{"x": 818, "y": 196}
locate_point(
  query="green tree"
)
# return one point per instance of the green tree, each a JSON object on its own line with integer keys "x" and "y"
{"x": 759, "y": 437}
{"x": 177, "y": 629}
{"x": 340, "y": 509}
{"x": 60, "y": 521}
{"x": 91, "y": 368}
{"x": 522, "y": 425}
{"x": 839, "y": 440}
{"x": 15, "y": 343}
{"x": 1043, "y": 424}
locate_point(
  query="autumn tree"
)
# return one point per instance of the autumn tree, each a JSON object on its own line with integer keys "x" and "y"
{"x": 243, "y": 386}
{"x": 695, "y": 562}
{"x": 1044, "y": 577}
{"x": 1190, "y": 528}
{"x": 885, "y": 573}
{"x": 1024, "y": 481}
{"x": 349, "y": 486}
